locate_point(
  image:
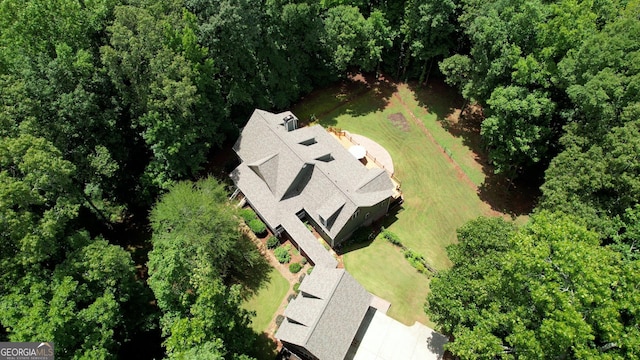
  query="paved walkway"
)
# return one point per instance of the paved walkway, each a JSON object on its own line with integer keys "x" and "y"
{"x": 380, "y": 304}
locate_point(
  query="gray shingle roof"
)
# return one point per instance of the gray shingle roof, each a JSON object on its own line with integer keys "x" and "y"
{"x": 267, "y": 170}
{"x": 303, "y": 169}
{"x": 261, "y": 199}
{"x": 331, "y": 208}
{"x": 326, "y": 315}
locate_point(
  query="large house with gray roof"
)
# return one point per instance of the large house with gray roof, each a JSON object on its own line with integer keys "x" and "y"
{"x": 322, "y": 321}
{"x": 290, "y": 174}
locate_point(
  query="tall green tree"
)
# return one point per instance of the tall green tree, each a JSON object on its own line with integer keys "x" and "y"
{"x": 198, "y": 252}
{"x": 428, "y": 30}
{"x": 51, "y": 68}
{"x": 379, "y": 35}
{"x": 233, "y": 31}
{"x": 344, "y": 35}
{"x": 56, "y": 281}
{"x": 92, "y": 293}
{"x": 298, "y": 28}
{"x": 524, "y": 52}
{"x": 37, "y": 203}
{"x": 595, "y": 176}
{"x": 550, "y": 290}
{"x": 167, "y": 84}
{"x": 596, "y": 181}
{"x": 518, "y": 130}
{"x": 471, "y": 282}
{"x": 353, "y": 41}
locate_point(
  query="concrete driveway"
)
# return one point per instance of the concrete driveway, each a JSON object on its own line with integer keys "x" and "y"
{"x": 383, "y": 338}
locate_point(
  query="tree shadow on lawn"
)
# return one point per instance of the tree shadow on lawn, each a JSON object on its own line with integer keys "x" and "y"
{"x": 264, "y": 348}
{"x": 255, "y": 272}
{"x": 437, "y": 97}
{"x": 364, "y": 236}
{"x": 349, "y": 94}
{"x": 445, "y": 102}
{"x": 514, "y": 198}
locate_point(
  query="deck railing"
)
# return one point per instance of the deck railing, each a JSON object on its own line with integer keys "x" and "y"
{"x": 341, "y": 133}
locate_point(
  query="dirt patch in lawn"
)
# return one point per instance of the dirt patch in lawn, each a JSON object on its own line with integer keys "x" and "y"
{"x": 399, "y": 121}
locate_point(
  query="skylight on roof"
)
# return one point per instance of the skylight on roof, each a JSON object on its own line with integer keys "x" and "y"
{"x": 326, "y": 158}
{"x": 308, "y": 142}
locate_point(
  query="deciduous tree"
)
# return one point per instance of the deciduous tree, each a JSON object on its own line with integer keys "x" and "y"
{"x": 198, "y": 250}
{"x": 518, "y": 130}
{"x": 551, "y": 290}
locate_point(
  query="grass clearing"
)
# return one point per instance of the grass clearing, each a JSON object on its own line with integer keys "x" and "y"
{"x": 432, "y": 111}
{"x": 437, "y": 197}
{"x": 267, "y": 300}
{"x": 392, "y": 279}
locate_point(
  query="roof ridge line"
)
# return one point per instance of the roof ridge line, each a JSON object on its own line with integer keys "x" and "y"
{"x": 280, "y": 136}
{"x": 312, "y": 328}
{"x": 371, "y": 178}
{"x": 263, "y": 160}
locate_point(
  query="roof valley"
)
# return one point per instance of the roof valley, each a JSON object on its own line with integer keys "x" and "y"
{"x": 296, "y": 153}
{"x": 324, "y": 307}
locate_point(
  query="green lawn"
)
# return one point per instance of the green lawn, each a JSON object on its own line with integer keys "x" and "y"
{"x": 432, "y": 119}
{"x": 437, "y": 200}
{"x": 382, "y": 269}
{"x": 266, "y": 302}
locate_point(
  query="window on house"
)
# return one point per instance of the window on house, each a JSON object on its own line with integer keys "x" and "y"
{"x": 366, "y": 215}
{"x": 355, "y": 214}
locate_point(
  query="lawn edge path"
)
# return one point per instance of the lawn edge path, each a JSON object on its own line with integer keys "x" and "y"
{"x": 461, "y": 173}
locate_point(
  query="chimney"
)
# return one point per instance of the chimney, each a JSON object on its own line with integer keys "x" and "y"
{"x": 290, "y": 122}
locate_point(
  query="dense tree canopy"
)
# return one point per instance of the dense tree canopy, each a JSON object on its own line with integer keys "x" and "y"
{"x": 596, "y": 176}
{"x": 547, "y": 290}
{"x": 536, "y": 66}
{"x": 198, "y": 246}
{"x": 558, "y": 86}
{"x": 107, "y": 104}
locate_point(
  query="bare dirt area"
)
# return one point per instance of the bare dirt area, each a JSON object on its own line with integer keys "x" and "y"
{"x": 399, "y": 121}
{"x": 465, "y": 123}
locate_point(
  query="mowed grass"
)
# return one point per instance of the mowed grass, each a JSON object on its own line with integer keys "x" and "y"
{"x": 454, "y": 146}
{"x": 382, "y": 269}
{"x": 267, "y": 300}
{"x": 437, "y": 200}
